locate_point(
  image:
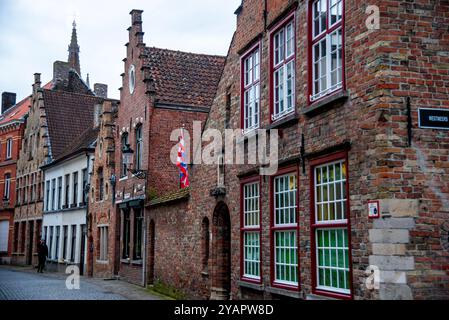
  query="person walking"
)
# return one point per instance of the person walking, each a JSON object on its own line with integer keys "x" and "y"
{"x": 42, "y": 252}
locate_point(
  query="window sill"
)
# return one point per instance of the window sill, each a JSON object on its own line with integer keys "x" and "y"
{"x": 102, "y": 262}
{"x": 137, "y": 262}
{"x": 326, "y": 103}
{"x": 283, "y": 122}
{"x": 249, "y": 285}
{"x": 125, "y": 261}
{"x": 285, "y": 292}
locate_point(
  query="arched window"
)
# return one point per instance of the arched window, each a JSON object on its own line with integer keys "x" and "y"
{"x": 205, "y": 236}
{"x": 139, "y": 147}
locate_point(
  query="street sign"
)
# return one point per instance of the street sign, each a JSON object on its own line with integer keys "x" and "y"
{"x": 433, "y": 118}
{"x": 373, "y": 210}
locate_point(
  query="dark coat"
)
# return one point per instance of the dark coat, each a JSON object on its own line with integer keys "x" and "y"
{"x": 42, "y": 251}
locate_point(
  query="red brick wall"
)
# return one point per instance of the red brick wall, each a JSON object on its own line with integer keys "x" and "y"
{"x": 14, "y": 132}
{"x": 164, "y": 175}
{"x": 405, "y": 58}
{"x": 103, "y": 213}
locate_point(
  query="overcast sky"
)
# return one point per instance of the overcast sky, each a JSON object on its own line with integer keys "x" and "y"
{"x": 34, "y": 34}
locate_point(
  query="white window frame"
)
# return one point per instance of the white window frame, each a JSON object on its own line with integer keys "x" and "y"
{"x": 342, "y": 201}
{"x": 286, "y": 228}
{"x": 326, "y": 38}
{"x": 331, "y": 225}
{"x": 9, "y": 144}
{"x": 251, "y": 89}
{"x": 284, "y": 59}
{"x": 251, "y": 230}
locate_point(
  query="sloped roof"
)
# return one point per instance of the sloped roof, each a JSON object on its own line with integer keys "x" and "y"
{"x": 182, "y": 78}
{"x": 82, "y": 143}
{"x": 16, "y": 112}
{"x": 177, "y": 195}
{"x": 69, "y": 116}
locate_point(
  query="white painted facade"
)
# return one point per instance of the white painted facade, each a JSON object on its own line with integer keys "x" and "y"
{"x": 65, "y": 209}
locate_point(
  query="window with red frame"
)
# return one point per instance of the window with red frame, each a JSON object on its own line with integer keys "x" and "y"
{"x": 285, "y": 230}
{"x": 283, "y": 63}
{"x": 327, "y": 47}
{"x": 251, "y": 90}
{"x": 331, "y": 227}
{"x": 251, "y": 231}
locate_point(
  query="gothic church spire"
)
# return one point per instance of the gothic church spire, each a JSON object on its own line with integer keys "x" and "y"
{"x": 74, "y": 51}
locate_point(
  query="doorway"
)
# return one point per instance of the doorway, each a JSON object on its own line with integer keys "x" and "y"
{"x": 221, "y": 257}
{"x": 30, "y": 242}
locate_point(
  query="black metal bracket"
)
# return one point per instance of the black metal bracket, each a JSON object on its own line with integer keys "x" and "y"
{"x": 303, "y": 154}
{"x": 409, "y": 122}
{"x": 139, "y": 174}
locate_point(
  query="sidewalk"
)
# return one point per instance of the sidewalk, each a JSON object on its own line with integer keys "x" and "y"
{"x": 126, "y": 290}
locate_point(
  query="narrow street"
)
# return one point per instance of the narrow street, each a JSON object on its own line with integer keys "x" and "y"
{"x": 26, "y": 284}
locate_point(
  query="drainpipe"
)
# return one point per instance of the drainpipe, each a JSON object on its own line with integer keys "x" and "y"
{"x": 144, "y": 256}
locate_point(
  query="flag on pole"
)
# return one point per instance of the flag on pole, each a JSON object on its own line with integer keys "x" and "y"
{"x": 181, "y": 162}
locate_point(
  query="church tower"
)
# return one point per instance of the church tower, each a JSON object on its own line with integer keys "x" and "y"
{"x": 74, "y": 51}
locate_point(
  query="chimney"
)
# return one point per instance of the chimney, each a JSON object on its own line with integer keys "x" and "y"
{"x": 136, "y": 16}
{"x": 61, "y": 72}
{"x": 101, "y": 90}
{"x": 8, "y": 100}
{"x": 136, "y": 25}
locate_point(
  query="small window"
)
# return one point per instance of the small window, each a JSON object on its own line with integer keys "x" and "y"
{"x": 67, "y": 191}
{"x": 53, "y": 194}
{"x": 85, "y": 177}
{"x": 103, "y": 243}
{"x": 73, "y": 243}
{"x": 7, "y": 191}
{"x": 126, "y": 234}
{"x": 124, "y": 167}
{"x": 251, "y": 90}
{"x": 251, "y": 231}
{"x": 47, "y": 195}
{"x": 59, "y": 192}
{"x": 9, "y": 148}
{"x": 283, "y": 62}
{"x": 327, "y": 47}
{"x": 138, "y": 233}
{"x": 285, "y": 231}
{"x": 75, "y": 189}
{"x": 139, "y": 147}
{"x": 132, "y": 78}
{"x": 100, "y": 184}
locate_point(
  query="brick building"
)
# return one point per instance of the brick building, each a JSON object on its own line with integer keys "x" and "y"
{"x": 104, "y": 234}
{"x": 344, "y": 97}
{"x": 60, "y": 112}
{"x": 12, "y": 123}
{"x": 162, "y": 91}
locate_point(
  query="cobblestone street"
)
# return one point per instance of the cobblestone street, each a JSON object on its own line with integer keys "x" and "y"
{"x": 25, "y": 284}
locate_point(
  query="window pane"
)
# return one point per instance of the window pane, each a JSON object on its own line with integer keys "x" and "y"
{"x": 285, "y": 208}
{"x": 251, "y": 203}
{"x": 251, "y": 254}
{"x": 331, "y": 195}
{"x": 286, "y": 261}
{"x": 332, "y": 260}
